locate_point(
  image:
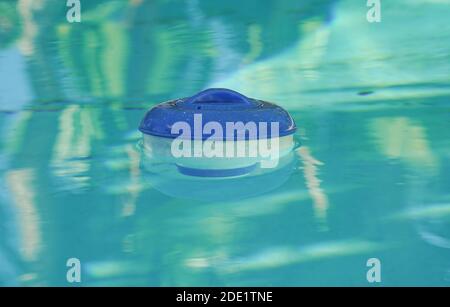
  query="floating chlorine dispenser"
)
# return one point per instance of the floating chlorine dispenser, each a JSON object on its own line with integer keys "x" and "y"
{"x": 217, "y": 145}
{"x": 218, "y": 133}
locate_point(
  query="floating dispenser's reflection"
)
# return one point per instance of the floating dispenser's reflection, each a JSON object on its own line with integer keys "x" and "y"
{"x": 216, "y": 177}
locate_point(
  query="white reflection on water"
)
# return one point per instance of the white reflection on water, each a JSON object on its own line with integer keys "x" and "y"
{"x": 425, "y": 211}
{"x": 318, "y": 195}
{"x": 21, "y": 186}
{"x": 78, "y": 129}
{"x": 283, "y": 256}
{"x": 433, "y": 238}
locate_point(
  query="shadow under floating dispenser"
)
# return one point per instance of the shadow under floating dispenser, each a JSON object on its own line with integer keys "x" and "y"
{"x": 216, "y": 137}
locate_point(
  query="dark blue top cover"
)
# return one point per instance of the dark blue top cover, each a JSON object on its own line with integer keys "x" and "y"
{"x": 218, "y": 105}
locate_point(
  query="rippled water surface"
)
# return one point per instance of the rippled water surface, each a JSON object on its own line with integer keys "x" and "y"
{"x": 370, "y": 179}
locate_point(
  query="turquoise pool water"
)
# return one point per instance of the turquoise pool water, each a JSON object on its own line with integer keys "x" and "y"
{"x": 370, "y": 180}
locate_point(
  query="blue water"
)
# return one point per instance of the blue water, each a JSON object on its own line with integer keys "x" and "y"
{"x": 370, "y": 179}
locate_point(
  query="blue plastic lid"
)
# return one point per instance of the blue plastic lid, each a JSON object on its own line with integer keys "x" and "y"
{"x": 221, "y": 106}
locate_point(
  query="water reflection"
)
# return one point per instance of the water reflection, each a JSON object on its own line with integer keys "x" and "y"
{"x": 318, "y": 195}
{"x": 212, "y": 177}
{"x": 276, "y": 257}
{"x": 72, "y": 95}
{"x": 335, "y": 60}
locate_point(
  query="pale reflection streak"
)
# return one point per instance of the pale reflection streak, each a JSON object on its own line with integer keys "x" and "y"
{"x": 254, "y": 41}
{"x": 134, "y": 187}
{"x": 20, "y": 183}
{"x": 276, "y": 257}
{"x": 30, "y": 28}
{"x": 318, "y": 195}
{"x": 72, "y": 149}
{"x": 401, "y": 138}
{"x": 425, "y": 212}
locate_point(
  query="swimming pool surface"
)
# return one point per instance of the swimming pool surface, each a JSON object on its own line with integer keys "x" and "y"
{"x": 370, "y": 179}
